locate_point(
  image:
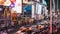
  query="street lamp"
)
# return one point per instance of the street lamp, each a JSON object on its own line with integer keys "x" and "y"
{"x": 50, "y": 16}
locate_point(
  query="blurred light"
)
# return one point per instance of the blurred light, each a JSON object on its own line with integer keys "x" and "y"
{"x": 39, "y": 1}
{"x": 38, "y": 8}
{"x": 7, "y": 3}
{"x": 13, "y": 0}
{"x": 0, "y": 9}
{"x": 0, "y": 0}
{"x": 12, "y": 5}
{"x": 30, "y": 28}
{"x": 18, "y": 6}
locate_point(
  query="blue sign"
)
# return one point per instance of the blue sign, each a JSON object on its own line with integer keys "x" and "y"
{"x": 12, "y": 5}
{"x": 27, "y": 10}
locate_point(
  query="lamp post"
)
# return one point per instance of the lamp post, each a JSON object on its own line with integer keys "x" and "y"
{"x": 50, "y": 16}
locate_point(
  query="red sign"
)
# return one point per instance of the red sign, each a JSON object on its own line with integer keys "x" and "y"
{"x": 13, "y": 0}
{"x": 14, "y": 15}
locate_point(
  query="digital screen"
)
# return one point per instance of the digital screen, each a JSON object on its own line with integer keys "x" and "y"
{"x": 18, "y": 6}
{"x": 27, "y": 10}
{"x": 44, "y": 2}
{"x": 38, "y": 8}
{"x": 15, "y": 4}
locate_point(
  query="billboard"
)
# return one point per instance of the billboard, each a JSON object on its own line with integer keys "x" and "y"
{"x": 38, "y": 8}
{"x": 16, "y": 5}
{"x": 27, "y": 10}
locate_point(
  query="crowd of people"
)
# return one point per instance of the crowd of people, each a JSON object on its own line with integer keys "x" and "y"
{"x": 32, "y": 26}
{"x": 45, "y": 30}
{"x": 33, "y": 30}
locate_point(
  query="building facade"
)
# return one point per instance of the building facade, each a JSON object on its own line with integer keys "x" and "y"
{"x": 38, "y": 6}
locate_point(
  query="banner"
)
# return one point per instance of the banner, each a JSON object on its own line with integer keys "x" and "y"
{"x": 18, "y": 6}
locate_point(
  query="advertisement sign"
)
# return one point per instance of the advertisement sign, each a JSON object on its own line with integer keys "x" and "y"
{"x": 18, "y": 6}
{"x": 2, "y": 2}
{"x": 38, "y": 8}
{"x": 27, "y": 10}
{"x": 15, "y": 4}
{"x": 7, "y": 3}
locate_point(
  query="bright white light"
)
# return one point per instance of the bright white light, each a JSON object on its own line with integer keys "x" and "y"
{"x": 0, "y": 0}
{"x": 38, "y": 8}
{"x": 18, "y": 6}
{"x": 44, "y": 2}
{"x": 7, "y": 3}
{"x": 32, "y": 11}
{"x": 0, "y": 9}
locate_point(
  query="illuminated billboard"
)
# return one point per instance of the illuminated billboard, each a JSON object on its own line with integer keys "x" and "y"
{"x": 27, "y": 10}
{"x": 2, "y": 2}
{"x": 15, "y": 4}
{"x": 18, "y": 6}
{"x": 38, "y": 8}
{"x": 7, "y": 3}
